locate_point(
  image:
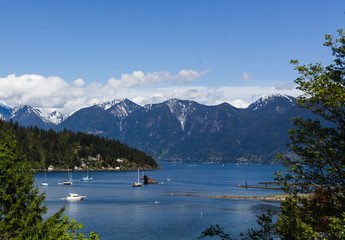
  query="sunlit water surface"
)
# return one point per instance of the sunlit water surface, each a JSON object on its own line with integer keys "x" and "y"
{"x": 116, "y": 210}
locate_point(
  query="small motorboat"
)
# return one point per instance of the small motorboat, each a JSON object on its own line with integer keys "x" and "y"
{"x": 74, "y": 197}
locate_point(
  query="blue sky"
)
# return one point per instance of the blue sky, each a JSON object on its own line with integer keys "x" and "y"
{"x": 63, "y": 55}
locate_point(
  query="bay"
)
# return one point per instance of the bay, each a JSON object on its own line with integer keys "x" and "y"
{"x": 116, "y": 210}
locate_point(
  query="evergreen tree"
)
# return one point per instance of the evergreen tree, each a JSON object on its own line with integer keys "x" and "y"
{"x": 21, "y": 203}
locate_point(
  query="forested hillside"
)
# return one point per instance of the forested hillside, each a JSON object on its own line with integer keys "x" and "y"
{"x": 66, "y": 149}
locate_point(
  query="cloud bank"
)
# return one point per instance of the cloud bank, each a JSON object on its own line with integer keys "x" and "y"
{"x": 55, "y": 94}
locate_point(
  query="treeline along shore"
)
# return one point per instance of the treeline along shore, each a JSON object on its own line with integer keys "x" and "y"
{"x": 99, "y": 170}
{"x": 68, "y": 150}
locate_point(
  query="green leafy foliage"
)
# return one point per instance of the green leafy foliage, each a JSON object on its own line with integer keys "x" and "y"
{"x": 21, "y": 203}
{"x": 290, "y": 224}
{"x": 267, "y": 227}
{"x": 314, "y": 177}
{"x": 336, "y": 228}
{"x": 215, "y": 231}
{"x": 319, "y": 168}
{"x": 265, "y": 232}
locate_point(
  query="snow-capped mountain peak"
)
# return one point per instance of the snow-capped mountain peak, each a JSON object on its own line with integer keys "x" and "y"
{"x": 27, "y": 113}
{"x": 108, "y": 104}
{"x": 123, "y": 108}
{"x": 26, "y": 108}
{"x": 280, "y": 100}
{"x": 56, "y": 117}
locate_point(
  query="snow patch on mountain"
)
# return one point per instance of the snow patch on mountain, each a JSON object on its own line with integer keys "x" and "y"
{"x": 265, "y": 100}
{"x": 4, "y": 106}
{"x": 56, "y": 118}
{"x": 149, "y": 107}
{"x": 122, "y": 109}
{"x": 26, "y": 111}
{"x": 108, "y": 104}
{"x": 5, "y": 111}
{"x": 180, "y": 110}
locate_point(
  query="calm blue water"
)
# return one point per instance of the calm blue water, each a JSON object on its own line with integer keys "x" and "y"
{"x": 116, "y": 210}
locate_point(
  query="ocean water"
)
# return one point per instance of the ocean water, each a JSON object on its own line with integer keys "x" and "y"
{"x": 167, "y": 210}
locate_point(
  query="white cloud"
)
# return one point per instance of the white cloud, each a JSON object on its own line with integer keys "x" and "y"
{"x": 188, "y": 76}
{"x": 53, "y": 93}
{"x": 285, "y": 86}
{"x": 246, "y": 76}
{"x": 140, "y": 79}
{"x": 79, "y": 82}
{"x": 137, "y": 78}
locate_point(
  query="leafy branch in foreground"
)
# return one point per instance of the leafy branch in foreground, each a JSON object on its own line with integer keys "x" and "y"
{"x": 265, "y": 232}
{"x": 314, "y": 178}
{"x": 215, "y": 231}
{"x": 318, "y": 171}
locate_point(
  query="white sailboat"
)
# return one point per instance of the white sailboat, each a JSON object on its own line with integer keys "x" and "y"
{"x": 45, "y": 179}
{"x": 137, "y": 184}
{"x": 70, "y": 180}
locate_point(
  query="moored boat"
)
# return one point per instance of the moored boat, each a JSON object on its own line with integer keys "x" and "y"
{"x": 45, "y": 180}
{"x": 137, "y": 184}
{"x": 74, "y": 197}
{"x": 86, "y": 179}
{"x": 148, "y": 180}
{"x": 70, "y": 179}
{"x": 65, "y": 183}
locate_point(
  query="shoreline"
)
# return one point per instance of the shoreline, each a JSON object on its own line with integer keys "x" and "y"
{"x": 276, "y": 197}
{"x": 97, "y": 170}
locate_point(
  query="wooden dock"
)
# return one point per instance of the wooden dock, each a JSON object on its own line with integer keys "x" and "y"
{"x": 260, "y": 187}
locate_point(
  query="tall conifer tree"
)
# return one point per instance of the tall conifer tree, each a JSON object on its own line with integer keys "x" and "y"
{"x": 21, "y": 203}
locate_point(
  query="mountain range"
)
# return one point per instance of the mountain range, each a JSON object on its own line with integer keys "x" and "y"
{"x": 181, "y": 130}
